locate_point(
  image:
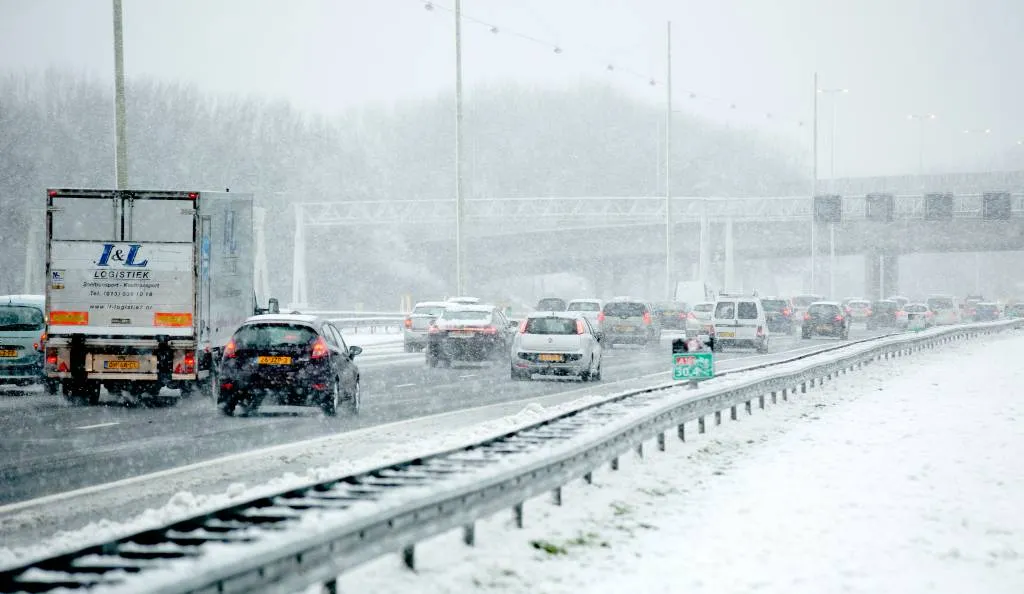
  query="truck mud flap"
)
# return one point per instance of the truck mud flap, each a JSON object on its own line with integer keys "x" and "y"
{"x": 164, "y": 361}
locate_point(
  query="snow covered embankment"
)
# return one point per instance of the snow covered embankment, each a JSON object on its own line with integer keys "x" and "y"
{"x": 904, "y": 477}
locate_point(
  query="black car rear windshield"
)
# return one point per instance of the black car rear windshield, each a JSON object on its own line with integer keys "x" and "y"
{"x": 672, "y": 306}
{"x": 551, "y": 305}
{"x": 455, "y": 314}
{"x": 774, "y": 304}
{"x": 20, "y": 317}
{"x": 550, "y": 326}
{"x": 805, "y": 300}
{"x": 630, "y": 310}
{"x": 822, "y": 309}
{"x": 262, "y": 336}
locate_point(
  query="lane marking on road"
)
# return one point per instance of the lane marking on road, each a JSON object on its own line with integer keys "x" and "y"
{"x": 467, "y": 376}
{"x": 405, "y": 385}
{"x": 98, "y": 425}
{"x": 262, "y": 452}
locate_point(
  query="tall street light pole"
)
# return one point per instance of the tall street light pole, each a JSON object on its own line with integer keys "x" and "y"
{"x": 978, "y": 133}
{"x": 832, "y": 139}
{"x": 832, "y": 187}
{"x": 460, "y": 205}
{"x": 921, "y": 118}
{"x": 814, "y": 183}
{"x": 120, "y": 127}
{"x": 668, "y": 166}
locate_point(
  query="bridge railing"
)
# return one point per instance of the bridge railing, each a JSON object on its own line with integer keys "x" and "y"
{"x": 556, "y": 212}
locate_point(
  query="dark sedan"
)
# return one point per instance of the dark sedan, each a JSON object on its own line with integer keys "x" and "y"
{"x": 987, "y": 312}
{"x": 826, "y": 318}
{"x": 469, "y": 333}
{"x": 672, "y": 314}
{"x": 779, "y": 314}
{"x": 296, "y": 359}
{"x": 886, "y": 314}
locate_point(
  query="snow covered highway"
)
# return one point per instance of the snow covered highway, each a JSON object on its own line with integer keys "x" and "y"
{"x": 50, "y": 447}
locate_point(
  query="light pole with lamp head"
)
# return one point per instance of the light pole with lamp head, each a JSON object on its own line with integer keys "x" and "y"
{"x": 977, "y": 133}
{"x": 832, "y": 184}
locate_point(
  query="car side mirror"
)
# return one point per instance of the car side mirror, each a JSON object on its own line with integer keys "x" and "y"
{"x": 354, "y": 350}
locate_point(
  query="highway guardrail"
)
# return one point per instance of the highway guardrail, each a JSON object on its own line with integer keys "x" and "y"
{"x": 303, "y": 536}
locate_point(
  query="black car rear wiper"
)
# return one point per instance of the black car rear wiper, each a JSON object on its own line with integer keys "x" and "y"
{"x": 14, "y": 327}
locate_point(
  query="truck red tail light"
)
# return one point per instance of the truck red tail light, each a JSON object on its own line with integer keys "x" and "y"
{"x": 408, "y": 322}
{"x": 187, "y": 364}
{"x": 807, "y": 316}
{"x": 230, "y": 349}
{"x": 522, "y": 327}
{"x": 647, "y": 318}
{"x": 580, "y": 329}
{"x": 320, "y": 349}
{"x": 787, "y": 312}
{"x": 839, "y": 318}
{"x": 600, "y": 316}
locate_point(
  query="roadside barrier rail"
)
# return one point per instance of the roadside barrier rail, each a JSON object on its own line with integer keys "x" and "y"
{"x": 303, "y": 536}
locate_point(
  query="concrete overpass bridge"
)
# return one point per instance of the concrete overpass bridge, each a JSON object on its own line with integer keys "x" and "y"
{"x": 604, "y": 238}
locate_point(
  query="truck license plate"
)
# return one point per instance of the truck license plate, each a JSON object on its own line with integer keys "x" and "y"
{"x": 727, "y": 334}
{"x": 550, "y": 358}
{"x": 8, "y": 352}
{"x": 121, "y": 365}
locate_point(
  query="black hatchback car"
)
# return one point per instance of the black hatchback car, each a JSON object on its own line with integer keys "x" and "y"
{"x": 469, "y": 333}
{"x": 826, "y": 318}
{"x": 886, "y": 313}
{"x": 779, "y": 314}
{"x": 296, "y": 359}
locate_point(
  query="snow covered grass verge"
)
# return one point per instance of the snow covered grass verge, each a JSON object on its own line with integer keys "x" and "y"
{"x": 899, "y": 478}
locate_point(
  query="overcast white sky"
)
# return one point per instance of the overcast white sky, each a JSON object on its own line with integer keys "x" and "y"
{"x": 960, "y": 59}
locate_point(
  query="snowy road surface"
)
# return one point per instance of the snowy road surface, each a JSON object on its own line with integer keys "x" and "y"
{"x": 905, "y": 477}
{"x": 48, "y": 447}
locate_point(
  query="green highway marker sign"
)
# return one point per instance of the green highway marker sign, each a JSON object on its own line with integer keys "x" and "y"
{"x": 693, "y": 366}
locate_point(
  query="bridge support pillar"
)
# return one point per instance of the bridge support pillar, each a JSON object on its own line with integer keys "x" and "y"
{"x": 300, "y": 293}
{"x": 704, "y": 250}
{"x": 730, "y": 259}
{"x": 881, "y": 275}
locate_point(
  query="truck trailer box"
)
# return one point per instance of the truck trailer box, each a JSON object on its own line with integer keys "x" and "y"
{"x": 144, "y": 288}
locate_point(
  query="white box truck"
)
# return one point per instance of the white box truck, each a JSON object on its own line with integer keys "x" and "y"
{"x": 144, "y": 288}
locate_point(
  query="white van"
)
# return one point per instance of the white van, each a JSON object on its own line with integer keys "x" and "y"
{"x": 739, "y": 321}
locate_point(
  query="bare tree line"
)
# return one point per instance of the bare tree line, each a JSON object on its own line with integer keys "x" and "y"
{"x": 56, "y": 130}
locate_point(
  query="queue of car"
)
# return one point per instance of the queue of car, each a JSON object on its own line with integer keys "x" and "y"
{"x": 299, "y": 359}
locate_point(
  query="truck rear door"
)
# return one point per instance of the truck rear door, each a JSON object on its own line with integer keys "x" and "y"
{"x": 120, "y": 263}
